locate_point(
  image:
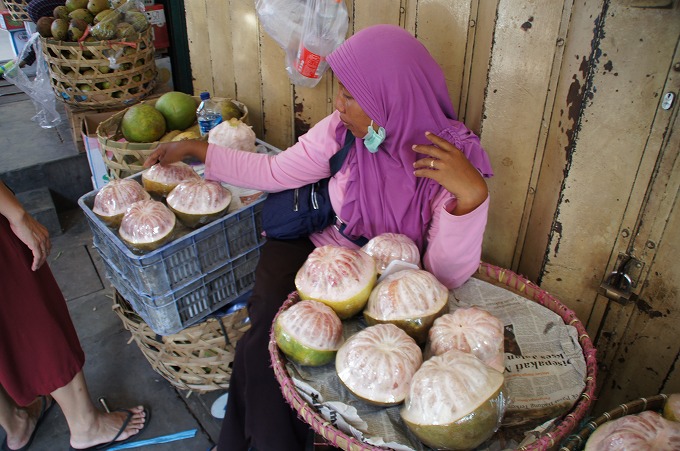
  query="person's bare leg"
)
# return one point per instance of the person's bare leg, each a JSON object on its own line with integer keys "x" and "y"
{"x": 90, "y": 426}
{"x": 18, "y": 422}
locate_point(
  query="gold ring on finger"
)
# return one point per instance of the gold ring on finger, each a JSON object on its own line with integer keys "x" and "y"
{"x": 432, "y": 164}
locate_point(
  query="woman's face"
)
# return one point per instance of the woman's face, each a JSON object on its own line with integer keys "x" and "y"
{"x": 351, "y": 113}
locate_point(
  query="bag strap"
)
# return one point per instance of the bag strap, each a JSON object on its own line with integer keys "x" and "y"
{"x": 336, "y": 162}
{"x": 339, "y": 157}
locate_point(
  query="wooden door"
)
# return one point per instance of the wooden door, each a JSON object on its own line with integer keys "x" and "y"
{"x": 637, "y": 340}
{"x": 609, "y": 184}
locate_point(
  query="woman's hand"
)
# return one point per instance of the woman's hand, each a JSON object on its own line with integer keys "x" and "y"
{"x": 173, "y": 152}
{"x": 35, "y": 236}
{"x": 450, "y": 168}
{"x": 25, "y": 227}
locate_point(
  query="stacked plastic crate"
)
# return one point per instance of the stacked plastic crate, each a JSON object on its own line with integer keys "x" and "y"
{"x": 184, "y": 281}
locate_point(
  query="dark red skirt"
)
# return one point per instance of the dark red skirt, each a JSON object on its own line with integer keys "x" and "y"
{"x": 39, "y": 348}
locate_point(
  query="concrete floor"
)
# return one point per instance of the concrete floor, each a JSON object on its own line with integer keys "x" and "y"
{"x": 115, "y": 368}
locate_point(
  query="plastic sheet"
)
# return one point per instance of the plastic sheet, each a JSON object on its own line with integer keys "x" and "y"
{"x": 472, "y": 330}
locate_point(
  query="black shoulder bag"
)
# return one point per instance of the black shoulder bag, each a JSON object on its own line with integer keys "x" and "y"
{"x": 299, "y": 212}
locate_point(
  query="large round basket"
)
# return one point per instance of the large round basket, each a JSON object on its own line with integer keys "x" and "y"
{"x": 124, "y": 158}
{"x": 17, "y": 9}
{"x": 198, "y": 358}
{"x": 101, "y": 74}
{"x": 488, "y": 273}
{"x": 576, "y": 442}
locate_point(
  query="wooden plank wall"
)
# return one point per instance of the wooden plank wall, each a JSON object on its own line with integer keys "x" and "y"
{"x": 528, "y": 76}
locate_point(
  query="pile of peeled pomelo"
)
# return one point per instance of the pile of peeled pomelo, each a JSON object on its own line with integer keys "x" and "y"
{"x": 146, "y": 214}
{"x": 171, "y": 118}
{"x": 444, "y": 368}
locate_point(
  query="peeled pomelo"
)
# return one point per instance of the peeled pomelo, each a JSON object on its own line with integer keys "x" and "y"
{"x": 455, "y": 401}
{"x": 142, "y": 123}
{"x": 472, "y": 330}
{"x": 388, "y": 247}
{"x": 198, "y": 201}
{"x": 645, "y": 431}
{"x": 161, "y": 179}
{"x": 113, "y": 200}
{"x": 178, "y": 108}
{"x": 308, "y": 333}
{"x": 340, "y": 277}
{"x": 410, "y": 299}
{"x": 377, "y": 363}
{"x": 671, "y": 408}
{"x": 147, "y": 225}
{"x": 234, "y": 134}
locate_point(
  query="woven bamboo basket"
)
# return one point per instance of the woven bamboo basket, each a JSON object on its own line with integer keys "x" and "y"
{"x": 576, "y": 442}
{"x": 198, "y": 358}
{"x": 504, "y": 278}
{"x": 81, "y": 73}
{"x": 17, "y": 9}
{"x": 124, "y": 158}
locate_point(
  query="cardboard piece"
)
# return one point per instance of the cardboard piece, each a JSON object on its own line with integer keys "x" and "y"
{"x": 89, "y": 124}
{"x": 76, "y": 116}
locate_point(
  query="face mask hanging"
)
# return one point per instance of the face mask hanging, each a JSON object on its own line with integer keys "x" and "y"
{"x": 373, "y": 139}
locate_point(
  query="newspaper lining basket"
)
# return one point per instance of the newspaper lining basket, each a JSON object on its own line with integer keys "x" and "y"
{"x": 17, "y": 9}
{"x": 198, "y": 358}
{"x": 504, "y": 278}
{"x": 124, "y": 158}
{"x": 78, "y": 76}
{"x": 576, "y": 442}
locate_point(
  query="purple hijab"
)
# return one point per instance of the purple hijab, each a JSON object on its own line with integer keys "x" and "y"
{"x": 400, "y": 86}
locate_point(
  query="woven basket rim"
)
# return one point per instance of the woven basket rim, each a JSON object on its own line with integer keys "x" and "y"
{"x": 576, "y": 442}
{"x": 500, "y": 277}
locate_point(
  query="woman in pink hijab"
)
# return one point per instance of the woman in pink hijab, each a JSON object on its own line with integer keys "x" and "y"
{"x": 413, "y": 169}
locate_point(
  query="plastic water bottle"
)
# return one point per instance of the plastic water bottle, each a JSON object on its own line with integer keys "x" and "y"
{"x": 209, "y": 114}
{"x": 323, "y": 30}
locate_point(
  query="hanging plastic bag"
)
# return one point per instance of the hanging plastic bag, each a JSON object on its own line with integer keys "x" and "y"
{"x": 39, "y": 89}
{"x": 282, "y": 19}
{"x": 322, "y": 29}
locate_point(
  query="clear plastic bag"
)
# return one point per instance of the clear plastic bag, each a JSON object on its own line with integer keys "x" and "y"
{"x": 308, "y": 31}
{"x": 39, "y": 89}
{"x": 282, "y": 19}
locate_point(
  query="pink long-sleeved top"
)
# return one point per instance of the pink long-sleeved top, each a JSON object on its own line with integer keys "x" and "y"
{"x": 453, "y": 243}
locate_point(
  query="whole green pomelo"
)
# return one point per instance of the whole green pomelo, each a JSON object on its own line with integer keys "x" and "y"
{"x": 178, "y": 108}
{"x": 81, "y": 13}
{"x": 143, "y": 123}
{"x": 230, "y": 110}
{"x": 60, "y": 12}
{"x": 72, "y": 5}
{"x": 44, "y": 26}
{"x": 59, "y": 29}
{"x": 97, "y": 6}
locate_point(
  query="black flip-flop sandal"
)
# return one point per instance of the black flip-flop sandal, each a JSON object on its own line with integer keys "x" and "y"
{"x": 43, "y": 412}
{"x": 113, "y": 442}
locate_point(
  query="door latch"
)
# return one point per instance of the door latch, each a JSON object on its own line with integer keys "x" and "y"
{"x": 618, "y": 285}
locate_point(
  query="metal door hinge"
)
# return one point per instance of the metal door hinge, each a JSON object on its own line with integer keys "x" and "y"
{"x": 619, "y": 284}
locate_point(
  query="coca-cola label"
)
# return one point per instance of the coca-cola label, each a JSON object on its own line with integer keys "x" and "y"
{"x": 308, "y": 62}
